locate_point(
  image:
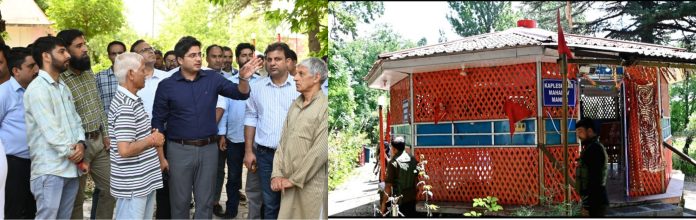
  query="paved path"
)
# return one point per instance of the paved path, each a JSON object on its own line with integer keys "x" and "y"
{"x": 242, "y": 211}
{"x": 355, "y": 197}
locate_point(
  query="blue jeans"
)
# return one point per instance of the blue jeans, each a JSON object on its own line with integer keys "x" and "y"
{"x": 235, "y": 159}
{"x": 136, "y": 207}
{"x": 54, "y": 196}
{"x": 271, "y": 200}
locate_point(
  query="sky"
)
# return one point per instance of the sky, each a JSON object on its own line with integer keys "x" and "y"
{"x": 415, "y": 20}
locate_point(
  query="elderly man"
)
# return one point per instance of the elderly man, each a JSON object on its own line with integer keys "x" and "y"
{"x": 80, "y": 79}
{"x": 300, "y": 163}
{"x": 135, "y": 174}
{"x": 59, "y": 139}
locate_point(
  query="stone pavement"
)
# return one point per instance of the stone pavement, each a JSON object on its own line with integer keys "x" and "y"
{"x": 355, "y": 197}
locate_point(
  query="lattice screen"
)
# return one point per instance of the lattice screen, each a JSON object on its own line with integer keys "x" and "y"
{"x": 462, "y": 174}
{"x": 477, "y": 95}
{"x": 602, "y": 107}
{"x": 397, "y": 94}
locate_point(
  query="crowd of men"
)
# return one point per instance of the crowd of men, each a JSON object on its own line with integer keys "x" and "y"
{"x": 155, "y": 131}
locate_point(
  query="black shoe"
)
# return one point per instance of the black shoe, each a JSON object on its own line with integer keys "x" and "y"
{"x": 242, "y": 197}
{"x": 228, "y": 216}
{"x": 217, "y": 210}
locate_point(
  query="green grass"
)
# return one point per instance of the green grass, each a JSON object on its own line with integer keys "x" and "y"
{"x": 688, "y": 169}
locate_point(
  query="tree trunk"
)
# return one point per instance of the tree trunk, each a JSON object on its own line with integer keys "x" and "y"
{"x": 689, "y": 139}
{"x": 314, "y": 44}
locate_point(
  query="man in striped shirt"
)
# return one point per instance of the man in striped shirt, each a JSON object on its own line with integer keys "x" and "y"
{"x": 136, "y": 154}
{"x": 265, "y": 113}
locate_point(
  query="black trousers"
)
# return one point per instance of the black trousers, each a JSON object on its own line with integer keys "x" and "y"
{"x": 163, "y": 207}
{"x": 19, "y": 201}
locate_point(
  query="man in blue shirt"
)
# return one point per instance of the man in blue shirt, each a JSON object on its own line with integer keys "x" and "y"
{"x": 265, "y": 113}
{"x": 13, "y": 134}
{"x": 185, "y": 102}
{"x": 231, "y": 129}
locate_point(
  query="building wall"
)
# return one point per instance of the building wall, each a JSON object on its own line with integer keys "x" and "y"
{"x": 21, "y": 36}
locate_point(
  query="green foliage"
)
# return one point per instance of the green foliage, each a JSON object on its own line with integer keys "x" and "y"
{"x": 679, "y": 164}
{"x": 97, "y": 46}
{"x": 644, "y": 21}
{"x": 490, "y": 203}
{"x": 92, "y": 17}
{"x": 472, "y": 214}
{"x": 353, "y": 103}
{"x": 422, "y": 42}
{"x": 310, "y": 17}
{"x": 478, "y": 17}
{"x": 343, "y": 155}
{"x": 524, "y": 212}
{"x": 307, "y": 16}
{"x": 346, "y": 16}
{"x": 544, "y": 12}
{"x": 682, "y": 95}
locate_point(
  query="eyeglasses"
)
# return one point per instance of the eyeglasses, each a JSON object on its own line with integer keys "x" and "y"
{"x": 147, "y": 50}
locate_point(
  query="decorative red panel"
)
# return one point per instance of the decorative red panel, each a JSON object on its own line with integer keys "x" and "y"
{"x": 397, "y": 94}
{"x": 476, "y": 94}
{"x": 646, "y": 159}
{"x": 462, "y": 174}
{"x": 554, "y": 178}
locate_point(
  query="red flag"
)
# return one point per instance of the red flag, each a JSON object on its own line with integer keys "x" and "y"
{"x": 562, "y": 45}
{"x": 515, "y": 113}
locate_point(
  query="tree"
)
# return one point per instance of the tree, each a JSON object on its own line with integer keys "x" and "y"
{"x": 544, "y": 12}
{"x": 350, "y": 64}
{"x": 647, "y": 21}
{"x": 100, "y": 21}
{"x": 477, "y": 17}
{"x": 422, "y": 42}
{"x": 307, "y": 16}
{"x": 92, "y": 17}
{"x": 442, "y": 37}
{"x": 346, "y": 15}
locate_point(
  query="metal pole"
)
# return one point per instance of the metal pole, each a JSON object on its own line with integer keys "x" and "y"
{"x": 564, "y": 128}
{"x": 382, "y": 152}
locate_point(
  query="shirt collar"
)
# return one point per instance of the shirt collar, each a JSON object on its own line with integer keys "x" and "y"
{"x": 128, "y": 93}
{"x": 15, "y": 85}
{"x": 43, "y": 74}
{"x": 289, "y": 81}
{"x": 300, "y": 99}
{"x": 325, "y": 84}
{"x": 178, "y": 76}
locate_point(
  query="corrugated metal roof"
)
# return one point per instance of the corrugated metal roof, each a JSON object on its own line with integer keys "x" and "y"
{"x": 521, "y": 37}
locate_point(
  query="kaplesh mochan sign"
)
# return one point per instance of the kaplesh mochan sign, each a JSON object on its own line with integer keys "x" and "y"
{"x": 553, "y": 92}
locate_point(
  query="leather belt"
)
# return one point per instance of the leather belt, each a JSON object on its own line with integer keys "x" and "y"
{"x": 93, "y": 135}
{"x": 264, "y": 148}
{"x": 196, "y": 142}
